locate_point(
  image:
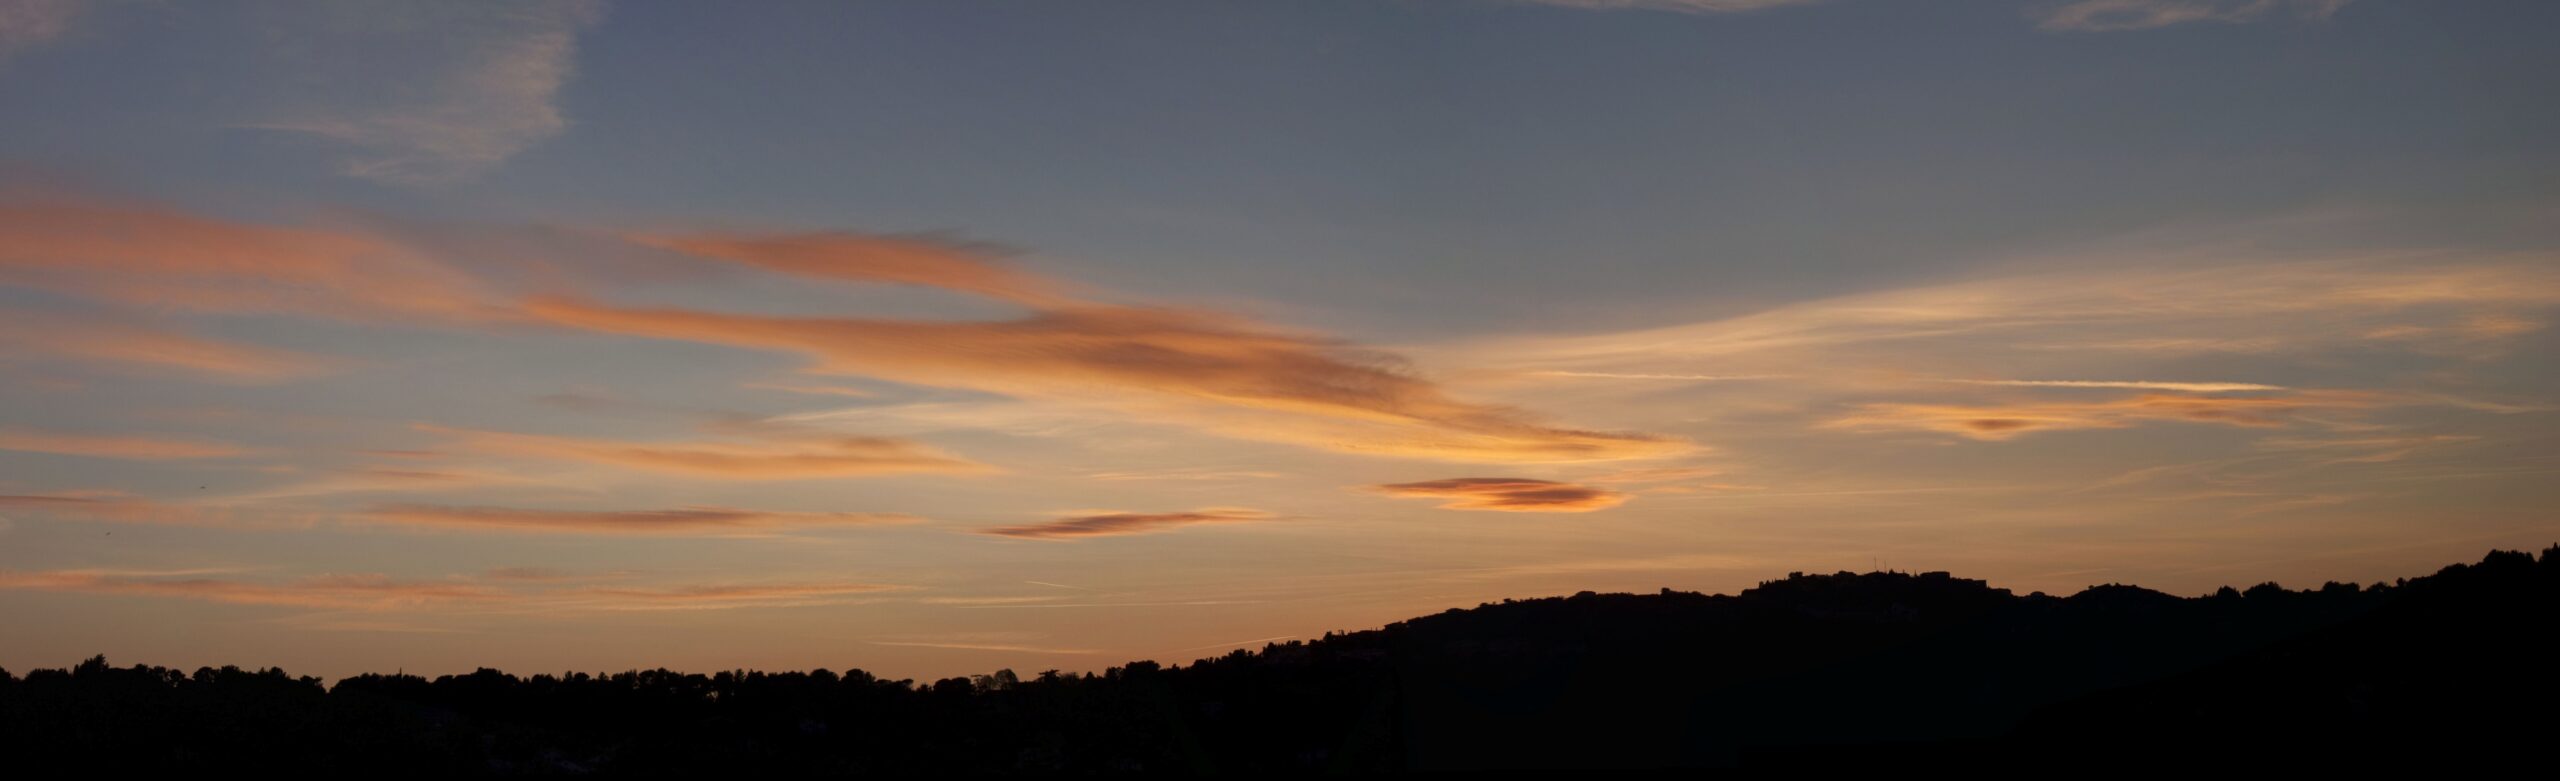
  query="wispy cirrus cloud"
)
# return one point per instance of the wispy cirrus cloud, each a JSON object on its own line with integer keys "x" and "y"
{"x": 1212, "y": 371}
{"x": 2183, "y": 387}
{"x": 1110, "y": 524}
{"x": 2365, "y": 449}
{"x": 350, "y": 592}
{"x": 2052, "y": 15}
{"x": 1682, "y": 6}
{"x": 375, "y": 480}
{"x": 2114, "y": 15}
{"x": 801, "y": 456}
{"x": 1186, "y": 474}
{"x": 425, "y": 94}
{"x": 119, "y": 508}
{"x": 1295, "y": 388}
{"x": 811, "y": 390}
{"x": 1508, "y": 494}
{"x": 146, "y": 256}
{"x": 1221, "y": 372}
{"x": 1005, "y": 642}
{"x": 259, "y": 513}
{"x": 134, "y": 345}
{"x": 126, "y": 447}
{"x": 980, "y": 601}
{"x": 685, "y": 520}
{"x": 1658, "y": 376}
{"x": 2004, "y": 421}
{"x": 1663, "y": 474}
{"x": 2277, "y": 305}
{"x": 869, "y": 258}
{"x": 27, "y": 24}
{"x": 728, "y": 595}
{"x": 2029, "y": 340}
{"x": 378, "y": 593}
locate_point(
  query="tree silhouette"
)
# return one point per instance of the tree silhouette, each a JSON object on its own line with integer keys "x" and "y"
{"x": 1885, "y": 669}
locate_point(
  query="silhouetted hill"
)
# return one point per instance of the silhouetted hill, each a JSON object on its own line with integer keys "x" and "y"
{"x": 1885, "y": 670}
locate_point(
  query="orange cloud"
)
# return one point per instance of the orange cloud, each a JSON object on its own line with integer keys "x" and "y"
{"x": 101, "y": 506}
{"x": 100, "y": 341}
{"x": 2140, "y": 308}
{"x": 812, "y": 390}
{"x": 2000, "y": 422}
{"x": 112, "y": 446}
{"x": 739, "y": 595}
{"x": 355, "y": 592}
{"x": 858, "y": 257}
{"x": 168, "y": 260}
{"x": 678, "y": 521}
{"x": 2185, "y": 387}
{"x": 527, "y": 574}
{"x": 1655, "y": 474}
{"x": 777, "y": 459}
{"x": 379, "y": 593}
{"x": 1114, "y": 524}
{"x": 1300, "y": 389}
{"x": 119, "y": 507}
{"x": 1508, "y": 494}
{"x": 1002, "y": 647}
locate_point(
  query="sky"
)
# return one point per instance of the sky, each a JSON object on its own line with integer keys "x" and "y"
{"x": 932, "y": 338}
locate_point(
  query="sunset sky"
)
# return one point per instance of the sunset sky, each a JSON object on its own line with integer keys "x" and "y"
{"x": 931, "y": 338}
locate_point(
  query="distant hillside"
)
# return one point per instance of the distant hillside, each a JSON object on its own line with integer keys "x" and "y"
{"x": 1882, "y": 670}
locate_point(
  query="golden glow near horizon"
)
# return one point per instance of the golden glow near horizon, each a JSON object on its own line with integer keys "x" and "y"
{"x": 449, "y": 428}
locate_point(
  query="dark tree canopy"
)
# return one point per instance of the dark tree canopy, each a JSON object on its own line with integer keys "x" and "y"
{"x": 1888, "y": 670}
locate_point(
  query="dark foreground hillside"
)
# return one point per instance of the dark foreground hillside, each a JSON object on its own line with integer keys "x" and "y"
{"x": 1880, "y": 670}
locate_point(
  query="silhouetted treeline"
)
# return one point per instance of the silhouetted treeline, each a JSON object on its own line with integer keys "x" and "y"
{"x": 1887, "y": 670}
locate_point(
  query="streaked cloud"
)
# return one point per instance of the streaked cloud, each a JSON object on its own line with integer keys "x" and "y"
{"x": 1657, "y": 376}
{"x": 108, "y": 506}
{"x": 2183, "y": 387}
{"x": 1205, "y": 370}
{"x": 685, "y": 520}
{"x": 135, "y": 345}
{"x": 1682, "y": 6}
{"x": 2072, "y": 16}
{"x": 373, "y": 592}
{"x": 27, "y": 24}
{"x": 811, "y": 390}
{"x": 1192, "y": 474}
{"x": 2112, "y": 15}
{"x": 144, "y": 256}
{"x": 1604, "y": 566}
{"x": 1508, "y": 494}
{"x": 985, "y": 646}
{"x": 975, "y": 601}
{"x": 724, "y": 596}
{"x": 771, "y": 458}
{"x": 2003, "y": 421}
{"x": 868, "y": 258}
{"x": 527, "y": 574}
{"x": 1655, "y": 474}
{"x": 2266, "y": 306}
{"x": 379, "y": 479}
{"x": 1219, "y": 372}
{"x": 347, "y": 592}
{"x": 1109, "y": 524}
{"x": 2365, "y": 449}
{"x": 424, "y": 94}
{"x": 1241, "y": 378}
{"x": 128, "y": 447}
